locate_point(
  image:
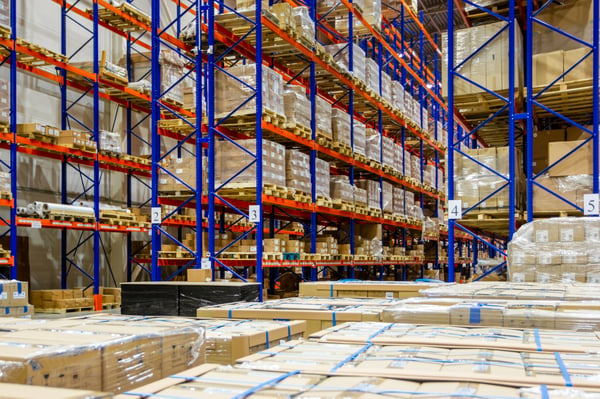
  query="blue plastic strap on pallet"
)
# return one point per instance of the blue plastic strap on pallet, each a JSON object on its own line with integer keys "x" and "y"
{"x": 563, "y": 370}
{"x": 350, "y": 358}
{"x": 229, "y": 312}
{"x": 289, "y": 332}
{"x": 331, "y": 290}
{"x": 265, "y": 385}
{"x": 333, "y": 322}
{"x": 267, "y": 338}
{"x": 19, "y": 287}
{"x": 376, "y": 333}
{"x": 538, "y": 342}
{"x": 544, "y": 392}
{"x": 475, "y": 314}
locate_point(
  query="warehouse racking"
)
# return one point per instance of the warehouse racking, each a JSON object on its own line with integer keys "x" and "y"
{"x": 509, "y": 118}
{"x": 202, "y": 56}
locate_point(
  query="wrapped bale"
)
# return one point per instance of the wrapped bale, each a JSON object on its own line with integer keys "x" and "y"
{"x": 360, "y": 196}
{"x": 373, "y": 148}
{"x": 230, "y": 93}
{"x": 340, "y": 123}
{"x": 229, "y": 158}
{"x": 323, "y": 178}
{"x": 372, "y": 75}
{"x": 297, "y": 171}
{"x": 372, "y": 188}
{"x": 387, "y": 190}
{"x": 360, "y": 138}
{"x": 296, "y": 106}
{"x": 341, "y": 54}
{"x": 341, "y": 189}
{"x": 323, "y": 114}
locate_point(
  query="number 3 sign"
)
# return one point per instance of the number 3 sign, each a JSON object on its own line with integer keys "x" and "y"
{"x": 254, "y": 213}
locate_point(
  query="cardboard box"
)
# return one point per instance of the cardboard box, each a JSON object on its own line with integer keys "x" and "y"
{"x": 199, "y": 275}
{"x": 477, "y": 314}
{"x": 545, "y": 231}
{"x": 578, "y": 163}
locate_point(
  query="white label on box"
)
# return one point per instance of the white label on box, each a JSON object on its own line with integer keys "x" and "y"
{"x": 389, "y": 295}
{"x": 568, "y": 277}
{"x": 179, "y": 171}
{"x": 500, "y": 204}
{"x": 543, "y": 278}
{"x": 566, "y": 235}
{"x": 592, "y": 233}
{"x": 205, "y": 263}
{"x": 541, "y": 236}
{"x": 162, "y": 181}
{"x": 593, "y": 278}
{"x": 19, "y": 295}
{"x": 3, "y": 296}
{"x": 545, "y": 258}
{"x": 518, "y": 259}
{"x": 518, "y": 277}
{"x": 252, "y": 249}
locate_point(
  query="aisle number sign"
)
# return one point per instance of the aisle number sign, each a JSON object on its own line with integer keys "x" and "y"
{"x": 254, "y": 213}
{"x": 156, "y": 215}
{"x": 590, "y": 204}
{"x": 454, "y": 209}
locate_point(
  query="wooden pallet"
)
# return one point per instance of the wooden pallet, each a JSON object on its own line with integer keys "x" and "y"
{"x": 299, "y": 130}
{"x": 324, "y": 139}
{"x": 111, "y": 18}
{"x": 174, "y": 255}
{"x": 178, "y": 125}
{"x": 122, "y": 215}
{"x": 300, "y": 197}
{"x": 238, "y": 255}
{"x": 373, "y": 211}
{"x": 361, "y": 209}
{"x": 244, "y": 191}
{"x": 39, "y": 137}
{"x": 343, "y": 257}
{"x": 106, "y": 306}
{"x": 4, "y": 253}
{"x": 305, "y": 256}
{"x": 71, "y": 217}
{"x": 342, "y": 148}
{"x": 65, "y": 310}
{"x": 245, "y": 120}
{"x": 322, "y": 201}
{"x": 375, "y": 164}
{"x": 343, "y": 205}
{"x": 360, "y": 158}
{"x": 5, "y": 195}
{"x": 272, "y": 256}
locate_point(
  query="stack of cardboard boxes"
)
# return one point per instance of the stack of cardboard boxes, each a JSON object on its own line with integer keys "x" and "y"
{"x": 14, "y": 299}
{"x": 554, "y": 250}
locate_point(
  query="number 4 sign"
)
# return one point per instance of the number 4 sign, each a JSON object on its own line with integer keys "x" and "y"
{"x": 254, "y": 215}
{"x": 590, "y": 204}
{"x": 454, "y": 209}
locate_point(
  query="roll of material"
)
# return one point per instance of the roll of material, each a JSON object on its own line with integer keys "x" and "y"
{"x": 48, "y": 207}
{"x": 22, "y": 211}
{"x": 103, "y": 207}
{"x": 30, "y": 210}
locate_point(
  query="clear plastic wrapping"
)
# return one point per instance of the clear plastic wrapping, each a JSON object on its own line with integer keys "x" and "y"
{"x": 184, "y": 170}
{"x": 324, "y": 114}
{"x": 572, "y": 188}
{"x": 5, "y": 185}
{"x": 230, "y": 93}
{"x": 101, "y": 352}
{"x": 303, "y": 24}
{"x": 297, "y": 171}
{"x": 373, "y": 148}
{"x": 372, "y": 75}
{"x": 341, "y": 53}
{"x": 407, "y": 164}
{"x": 388, "y": 196}
{"x": 489, "y": 67}
{"x": 373, "y": 191}
{"x": 296, "y": 106}
{"x": 341, "y": 189}
{"x": 398, "y": 200}
{"x": 340, "y": 123}
{"x": 360, "y": 138}
{"x": 360, "y": 196}
{"x": 388, "y": 149}
{"x": 386, "y": 87}
{"x": 372, "y": 12}
{"x": 556, "y": 250}
{"x": 398, "y": 96}
{"x": 110, "y": 141}
{"x": 229, "y": 159}
{"x": 323, "y": 178}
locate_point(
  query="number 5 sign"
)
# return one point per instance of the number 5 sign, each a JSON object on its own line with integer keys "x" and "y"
{"x": 254, "y": 214}
{"x": 454, "y": 209}
{"x": 590, "y": 204}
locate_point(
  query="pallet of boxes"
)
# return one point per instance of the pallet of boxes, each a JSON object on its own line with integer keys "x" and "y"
{"x": 556, "y": 250}
{"x": 73, "y": 300}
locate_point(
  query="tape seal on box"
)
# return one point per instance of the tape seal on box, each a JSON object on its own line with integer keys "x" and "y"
{"x": 563, "y": 370}
{"x": 538, "y": 342}
{"x": 475, "y": 315}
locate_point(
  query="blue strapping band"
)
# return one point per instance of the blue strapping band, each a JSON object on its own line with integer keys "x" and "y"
{"x": 376, "y": 333}
{"x": 538, "y": 342}
{"x": 19, "y": 287}
{"x": 6, "y": 310}
{"x": 475, "y": 315}
{"x": 331, "y": 290}
{"x": 267, "y": 337}
{"x": 563, "y": 370}
{"x": 265, "y": 385}
{"x": 289, "y": 332}
{"x": 229, "y": 312}
{"x": 333, "y": 318}
{"x": 544, "y": 392}
{"x": 350, "y": 358}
